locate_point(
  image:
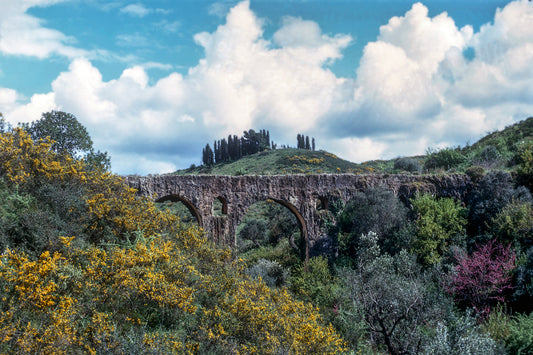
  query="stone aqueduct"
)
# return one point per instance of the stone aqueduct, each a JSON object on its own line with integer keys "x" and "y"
{"x": 304, "y": 195}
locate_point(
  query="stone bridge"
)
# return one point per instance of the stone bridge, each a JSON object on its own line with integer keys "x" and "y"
{"x": 306, "y": 196}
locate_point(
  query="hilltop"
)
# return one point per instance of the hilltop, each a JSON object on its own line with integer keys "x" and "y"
{"x": 497, "y": 150}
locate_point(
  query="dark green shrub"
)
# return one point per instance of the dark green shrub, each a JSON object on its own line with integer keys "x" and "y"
{"x": 489, "y": 154}
{"x": 393, "y": 296}
{"x": 314, "y": 283}
{"x": 475, "y": 172}
{"x": 493, "y": 192}
{"x": 377, "y": 210}
{"x": 446, "y": 159}
{"x": 407, "y": 164}
{"x": 271, "y": 272}
{"x": 523, "y": 281}
{"x": 520, "y": 339}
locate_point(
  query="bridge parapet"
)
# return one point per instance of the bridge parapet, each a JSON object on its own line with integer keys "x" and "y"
{"x": 301, "y": 194}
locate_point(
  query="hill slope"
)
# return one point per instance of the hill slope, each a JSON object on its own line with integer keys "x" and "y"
{"x": 497, "y": 150}
{"x": 282, "y": 161}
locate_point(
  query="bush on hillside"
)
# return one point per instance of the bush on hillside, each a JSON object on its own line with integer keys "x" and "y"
{"x": 407, "y": 164}
{"x": 445, "y": 159}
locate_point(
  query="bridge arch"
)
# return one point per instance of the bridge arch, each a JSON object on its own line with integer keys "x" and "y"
{"x": 190, "y": 206}
{"x": 294, "y": 211}
{"x": 222, "y": 208}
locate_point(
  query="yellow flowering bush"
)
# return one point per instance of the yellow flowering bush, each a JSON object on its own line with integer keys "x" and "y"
{"x": 132, "y": 279}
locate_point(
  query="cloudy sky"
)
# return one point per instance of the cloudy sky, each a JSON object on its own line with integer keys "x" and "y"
{"x": 155, "y": 80}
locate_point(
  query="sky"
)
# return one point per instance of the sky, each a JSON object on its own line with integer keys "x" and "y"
{"x": 153, "y": 81}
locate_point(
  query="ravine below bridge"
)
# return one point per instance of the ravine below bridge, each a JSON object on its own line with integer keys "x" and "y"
{"x": 306, "y": 196}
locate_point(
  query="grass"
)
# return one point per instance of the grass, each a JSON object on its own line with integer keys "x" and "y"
{"x": 497, "y": 150}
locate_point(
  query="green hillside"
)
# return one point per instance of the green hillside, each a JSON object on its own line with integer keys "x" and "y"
{"x": 503, "y": 150}
{"x": 282, "y": 161}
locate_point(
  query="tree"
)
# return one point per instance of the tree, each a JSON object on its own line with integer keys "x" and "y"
{"x": 313, "y": 146}
{"x": 483, "y": 278}
{"x": 494, "y": 191}
{"x": 394, "y": 296}
{"x": 438, "y": 220}
{"x": 69, "y": 135}
{"x": 207, "y": 156}
{"x": 377, "y": 210}
{"x": 4, "y": 126}
{"x": 446, "y": 159}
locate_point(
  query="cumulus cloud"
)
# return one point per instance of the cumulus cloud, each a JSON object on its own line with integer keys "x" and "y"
{"x": 23, "y": 34}
{"x": 414, "y": 88}
{"x": 415, "y": 85}
{"x": 139, "y": 10}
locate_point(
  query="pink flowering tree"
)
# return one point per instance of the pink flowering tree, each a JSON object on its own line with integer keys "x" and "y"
{"x": 482, "y": 279}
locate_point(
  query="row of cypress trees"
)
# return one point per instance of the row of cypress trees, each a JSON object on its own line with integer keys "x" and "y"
{"x": 251, "y": 142}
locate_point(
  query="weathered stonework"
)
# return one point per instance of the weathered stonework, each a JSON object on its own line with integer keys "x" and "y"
{"x": 303, "y": 195}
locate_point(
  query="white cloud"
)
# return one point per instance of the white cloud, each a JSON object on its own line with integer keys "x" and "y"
{"x": 139, "y": 10}
{"x": 414, "y": 88}
{"x": 23, "y": 34}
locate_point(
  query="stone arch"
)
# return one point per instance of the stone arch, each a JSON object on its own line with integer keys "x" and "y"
{"x": 187, "y": 203}
{"x": 322, "y": 203}
{"x": 299, "y": 218}
{"x": 224, "y": 205}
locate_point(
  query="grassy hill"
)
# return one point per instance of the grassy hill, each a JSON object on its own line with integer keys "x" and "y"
{"x": 282, "y": 161}
{"x": 497, "y": 150}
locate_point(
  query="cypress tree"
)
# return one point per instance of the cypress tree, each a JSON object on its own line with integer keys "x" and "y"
{"x": 307, "y": 145}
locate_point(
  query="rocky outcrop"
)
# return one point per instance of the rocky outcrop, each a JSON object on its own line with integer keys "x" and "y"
{"x": 303, "y": 195}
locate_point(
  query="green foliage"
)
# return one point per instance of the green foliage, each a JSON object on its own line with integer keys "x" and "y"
{"x": 514, "y": 224}
{"x": 524, "y": 159}
{"x": 411, "y": 165}
{"x": 520, "y": 339}
{"x": 394, "y": 296}
{"x": 69, "y": 135}
{"x": 461, "y": 335}
{"x": 271, "y": 272}
{"x": 446, "y": 159}
{"x": 314, "y": 283}
{"x": 475, "y": 173}
{"x": 493, "y": 192}
{"x": 523, "y": 281}
{"x": 438, "y": 221}
{"x": 377, "y": 210}
{"x": 252, "y": 234}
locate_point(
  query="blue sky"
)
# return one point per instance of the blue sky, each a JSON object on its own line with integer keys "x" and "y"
{"x": 154, "y": 81}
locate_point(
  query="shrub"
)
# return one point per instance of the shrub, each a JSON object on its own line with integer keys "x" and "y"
{"x": 314, "y": 283}
{"x": 461, "y": 336}
{"x": 438, "y": 220}
{"x": 377, "y": 210}
{"x": 394, "y": 298}
{"x": 484, "y": 278}
{"x": 523, "y": 281}
{"x": 271, "y": 272}
{"x": 514, "y": 224}
{"x": 407, "y": 164}
{"x": 446, "y": 159}
{"x": 488, "y": 155}
{"x": 520, "y": 339}
{"x": 475, "y": 173}
{"x": 493, "y": 192}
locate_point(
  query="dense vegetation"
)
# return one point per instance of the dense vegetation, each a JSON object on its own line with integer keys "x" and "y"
{"x": 433, "y": 276}
{"x": 86, "y": 267}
